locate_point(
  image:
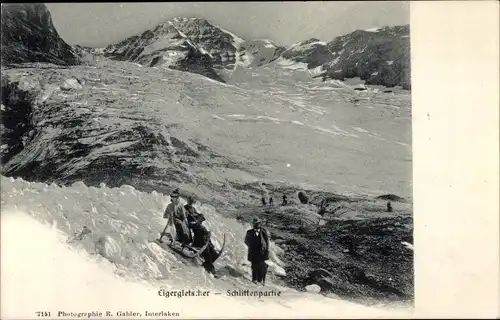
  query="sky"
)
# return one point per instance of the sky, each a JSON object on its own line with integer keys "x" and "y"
{"x": 285, "y": 23}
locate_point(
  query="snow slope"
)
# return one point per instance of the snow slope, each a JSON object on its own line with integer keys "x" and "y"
{"x": 115, "y": 268}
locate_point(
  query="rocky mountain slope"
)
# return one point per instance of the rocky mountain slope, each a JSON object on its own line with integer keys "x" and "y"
{"x": 223, "y": 47}
{"x": 380, "y": 56}
{"x": 28, "y": 35}
{"x": 212, "y": 48}
{"x": 164, "y": 46}
{"x": 377, "y": 56}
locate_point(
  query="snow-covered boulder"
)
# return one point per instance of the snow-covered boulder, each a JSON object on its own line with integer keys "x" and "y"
{"x": 313, "y": 288}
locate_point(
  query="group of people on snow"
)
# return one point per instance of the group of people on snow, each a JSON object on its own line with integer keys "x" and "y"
{"x": 189, "y": 228}
{"x": 191, "y": 232}
{"x": 271, "y": 201}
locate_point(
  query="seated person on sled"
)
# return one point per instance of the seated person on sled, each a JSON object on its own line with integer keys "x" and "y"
{"x": 176, "y": 214}
{"x": 201, "y": 236}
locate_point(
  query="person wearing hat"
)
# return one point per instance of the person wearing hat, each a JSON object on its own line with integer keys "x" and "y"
{"x": 257, "y": 241}
{"x": 175, "y": 214}
{"x": 191, "y": 211}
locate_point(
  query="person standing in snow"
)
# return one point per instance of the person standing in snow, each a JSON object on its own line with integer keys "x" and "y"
{"x": 285, "y": 201}
{"x": 389, "y": 207}
{"x": 257, "y": 241}
{"x": 263, "y": 200}
{"x": 176, "y": 214}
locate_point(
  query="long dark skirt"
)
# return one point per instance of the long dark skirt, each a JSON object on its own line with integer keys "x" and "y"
{"x": 208, "y": 256}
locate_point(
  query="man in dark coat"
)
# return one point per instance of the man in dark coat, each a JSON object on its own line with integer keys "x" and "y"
{"x": 257, "y": 241}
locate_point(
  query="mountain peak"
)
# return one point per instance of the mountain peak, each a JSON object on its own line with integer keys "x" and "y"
{"x": 191, "y": 19}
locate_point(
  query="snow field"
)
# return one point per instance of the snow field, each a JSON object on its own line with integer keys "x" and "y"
{"x": 123, "y": 224}
{"x": 113, "y": 267}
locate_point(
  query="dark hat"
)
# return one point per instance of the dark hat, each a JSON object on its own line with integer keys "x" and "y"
{"x": 256, "y": 220}
{"x": 175, "y": 194}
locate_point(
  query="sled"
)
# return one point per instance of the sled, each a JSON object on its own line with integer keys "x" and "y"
{"x": 183, "y": 250}
{"x": 188, "y": 251}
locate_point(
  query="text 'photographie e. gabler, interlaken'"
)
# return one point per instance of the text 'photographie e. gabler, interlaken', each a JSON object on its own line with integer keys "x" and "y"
{"x": 99, "y": 314}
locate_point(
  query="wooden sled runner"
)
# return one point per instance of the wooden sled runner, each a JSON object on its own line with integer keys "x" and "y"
{"x": 185, "y": 251}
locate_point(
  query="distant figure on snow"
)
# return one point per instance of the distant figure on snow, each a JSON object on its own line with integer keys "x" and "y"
{"x": 322, "y": 208}
{"x": 271, "y": 201}
{"x": 263, "y": 201}
{"x": 176, "y": 215}
{"x": 285, "y": 201}
{"x": 389, "y": 207}
{"x": 257, "y": 241}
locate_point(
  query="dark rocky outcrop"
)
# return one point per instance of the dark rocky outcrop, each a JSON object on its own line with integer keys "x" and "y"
{"x": 28, "y": 35}
{"x": 391, "y": 197}
{"x": 379, "y": 57}
{"x": 17, "y": 108}
{"x": 303, "y": 198}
